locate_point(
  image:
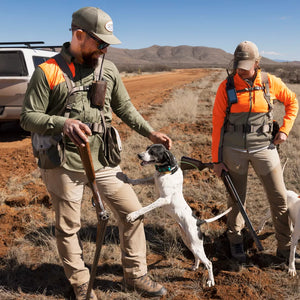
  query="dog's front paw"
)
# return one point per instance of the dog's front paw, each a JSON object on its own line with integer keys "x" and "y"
{"x": 132, "y": 217}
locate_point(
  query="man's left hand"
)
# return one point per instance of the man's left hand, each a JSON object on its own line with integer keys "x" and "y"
{"x": 160, "y": 138}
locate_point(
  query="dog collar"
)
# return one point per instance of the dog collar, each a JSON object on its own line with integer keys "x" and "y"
{"x": 166, "y": 169}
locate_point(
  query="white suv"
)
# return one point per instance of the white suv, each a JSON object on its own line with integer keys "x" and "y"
{"x": 16, "y": 67}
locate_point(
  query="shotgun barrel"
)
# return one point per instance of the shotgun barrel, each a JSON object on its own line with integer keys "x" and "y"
{"x": 235, "y": 196}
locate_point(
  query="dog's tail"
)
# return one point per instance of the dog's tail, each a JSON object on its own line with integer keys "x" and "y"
{"x": 210, "y": 220}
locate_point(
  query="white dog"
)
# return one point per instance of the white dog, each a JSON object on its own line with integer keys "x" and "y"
{"x": 168, "y": 180}
{"x": 293, "y": 204}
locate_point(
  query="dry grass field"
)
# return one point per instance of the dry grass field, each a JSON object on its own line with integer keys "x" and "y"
{"x": 181, "y": 107}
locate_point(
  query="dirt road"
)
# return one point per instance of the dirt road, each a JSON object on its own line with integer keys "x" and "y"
{"x": 154, "y": 88}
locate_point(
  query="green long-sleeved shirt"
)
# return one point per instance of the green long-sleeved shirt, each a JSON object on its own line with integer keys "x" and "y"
{"x": 46, "y": 95}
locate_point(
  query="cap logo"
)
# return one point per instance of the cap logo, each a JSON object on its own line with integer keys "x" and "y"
{"x": 109, "y": 26}
{"x": 243, "y": 55}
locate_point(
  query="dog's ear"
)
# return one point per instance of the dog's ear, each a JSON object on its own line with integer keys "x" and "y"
{"x": 170, "y": 158}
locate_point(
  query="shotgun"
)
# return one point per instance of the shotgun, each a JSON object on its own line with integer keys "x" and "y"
{"x": 187, "y": 163}
{"x": 235, "y": 196}
{"x": 102, "y": 215}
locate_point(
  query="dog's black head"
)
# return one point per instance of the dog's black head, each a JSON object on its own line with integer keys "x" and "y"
{"x": 157, "y": 154}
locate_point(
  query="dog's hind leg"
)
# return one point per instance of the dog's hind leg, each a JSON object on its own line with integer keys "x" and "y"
{"x": 211, "y": 281}
{"x": 194, "y": 242}
{"x": 200, "y": 255}
{"x": 196, "y": 264}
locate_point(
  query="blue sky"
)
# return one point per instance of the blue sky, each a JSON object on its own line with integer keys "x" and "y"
{"x": 272, "y": 24}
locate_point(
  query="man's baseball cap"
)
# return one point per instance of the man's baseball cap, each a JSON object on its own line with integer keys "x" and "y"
{"x": 96, "y": 22}
{"x": 245, "y": 55}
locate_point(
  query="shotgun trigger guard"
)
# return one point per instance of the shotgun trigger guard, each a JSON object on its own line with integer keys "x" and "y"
{"x": 102, "y": 215}
{"x": 93, "y": 202}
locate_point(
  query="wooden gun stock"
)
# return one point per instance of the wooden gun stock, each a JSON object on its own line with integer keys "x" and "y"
{"x": 86, "y": 157}
{"x": 102, "y": 215}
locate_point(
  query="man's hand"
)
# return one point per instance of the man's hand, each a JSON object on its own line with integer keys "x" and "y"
{"x": 280, "y": 137}
{"x": 76, "y": 131}
{"x": 160, "y": 138}
{"x": 218, "y": 168}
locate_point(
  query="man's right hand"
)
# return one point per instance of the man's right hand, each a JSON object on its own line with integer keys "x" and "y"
{"x": 218, "y": 168}
{"x": 76, "y": 131}
{"x": 157, "y": 137}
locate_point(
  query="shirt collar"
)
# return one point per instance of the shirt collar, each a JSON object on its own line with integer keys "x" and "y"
{"x": 65, "y": 52}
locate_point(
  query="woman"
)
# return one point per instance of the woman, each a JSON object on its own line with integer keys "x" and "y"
{"x": 242, "y": 134}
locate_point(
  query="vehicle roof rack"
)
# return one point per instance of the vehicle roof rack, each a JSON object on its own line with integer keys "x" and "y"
{"x": 29, "y": 44}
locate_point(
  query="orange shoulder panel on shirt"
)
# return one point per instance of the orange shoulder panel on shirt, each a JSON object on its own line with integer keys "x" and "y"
{"x": 53, "y": 72}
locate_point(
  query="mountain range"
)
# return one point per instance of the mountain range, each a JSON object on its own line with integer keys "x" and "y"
{"x": 174, "y": 57}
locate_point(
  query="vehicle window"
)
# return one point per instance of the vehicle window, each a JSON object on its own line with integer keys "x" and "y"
{"x": 12, "y": 63}
{"x": 37, "y": 60}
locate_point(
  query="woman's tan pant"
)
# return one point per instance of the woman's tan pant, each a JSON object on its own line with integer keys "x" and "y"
{"x": 266, "y": 164}
{"x": 66, "y": 190}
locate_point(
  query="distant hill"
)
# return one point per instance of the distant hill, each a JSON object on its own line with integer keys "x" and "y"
{"x": 164, "y": 58}
{"x": 173, "y": 57}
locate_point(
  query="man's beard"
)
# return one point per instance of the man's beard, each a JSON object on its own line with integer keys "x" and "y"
{"x": 90, "y": 60}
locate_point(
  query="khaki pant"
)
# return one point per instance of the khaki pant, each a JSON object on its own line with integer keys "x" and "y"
{"x": 66, "y": 190}
{"x": 266, "y": 164}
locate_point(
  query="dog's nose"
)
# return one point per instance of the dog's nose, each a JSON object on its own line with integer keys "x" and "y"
{"x": 140, "y": 156}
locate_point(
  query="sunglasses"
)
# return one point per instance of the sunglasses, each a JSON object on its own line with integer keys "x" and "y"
{"x": 101, "y": 45}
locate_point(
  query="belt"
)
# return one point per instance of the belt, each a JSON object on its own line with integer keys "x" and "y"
{"x": 247, "y": 128}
